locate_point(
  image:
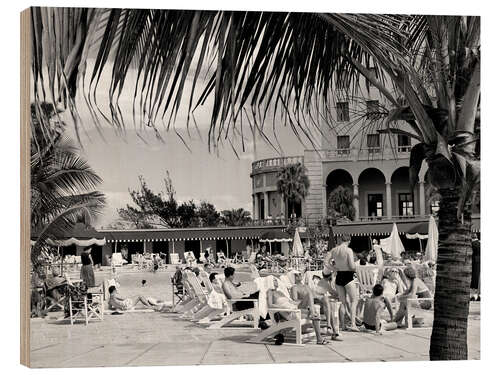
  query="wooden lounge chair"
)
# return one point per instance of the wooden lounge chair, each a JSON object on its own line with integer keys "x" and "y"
{"x": 189, "y": 298}
{"x": 203, "y": 310}
{"x": 368, "y": 276}
{"x": 232, "y": 315}
{"x": 298, "y": 330}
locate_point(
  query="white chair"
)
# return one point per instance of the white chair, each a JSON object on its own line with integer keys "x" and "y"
{"x": 117, "y": 260}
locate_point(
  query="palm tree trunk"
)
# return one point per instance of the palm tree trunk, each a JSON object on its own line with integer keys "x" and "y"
{"x": 454, "y": 269}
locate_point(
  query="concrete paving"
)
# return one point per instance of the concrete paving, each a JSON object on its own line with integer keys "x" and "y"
{"x": 151, "y": 338}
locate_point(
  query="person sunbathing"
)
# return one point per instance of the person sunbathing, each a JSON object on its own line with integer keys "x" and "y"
{"x": 416, "y": 289}
{"x": 280, "y": 299}
{"x": 304, "y": 297}
{"x": 117, "y": 302}
{"x": 322, "y": 290}
{"x": 374, "y": 306}
{"x": 232, "y": 290}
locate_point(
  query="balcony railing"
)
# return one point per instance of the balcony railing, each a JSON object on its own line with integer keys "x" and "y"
{"x": 369, "y": 153}
{"x": 392, "y": 218}
{"x": 276, "y": 162}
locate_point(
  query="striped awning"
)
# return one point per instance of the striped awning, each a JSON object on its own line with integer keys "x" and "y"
{"x": 382, "y": 228}
{"x": 186, "y": 234}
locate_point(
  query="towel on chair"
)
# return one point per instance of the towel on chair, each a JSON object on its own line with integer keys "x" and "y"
{"x": 263, "y": 285}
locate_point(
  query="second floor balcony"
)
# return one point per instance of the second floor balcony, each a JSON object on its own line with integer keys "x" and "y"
{"x": 367, "y": 153}
{"x": 272, "y": 164}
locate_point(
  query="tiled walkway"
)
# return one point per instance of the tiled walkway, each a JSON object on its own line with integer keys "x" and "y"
{"x": 137, "y": 339}
{"x": 163, "y": 339}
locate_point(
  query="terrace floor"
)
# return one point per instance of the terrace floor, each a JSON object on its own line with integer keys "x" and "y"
{"x": 151, "y": 338}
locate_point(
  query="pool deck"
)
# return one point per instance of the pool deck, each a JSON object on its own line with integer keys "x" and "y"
{"x": 152, "y": 338}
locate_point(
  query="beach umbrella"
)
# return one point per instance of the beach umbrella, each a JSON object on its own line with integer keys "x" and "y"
{"x": 392, "y": 244}
{"x": 297, "y": 249}
{"x": 79, "y": 235}
{"x": 432, "y": 242}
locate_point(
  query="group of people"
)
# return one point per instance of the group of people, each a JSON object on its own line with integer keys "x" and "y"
{"x": 340, "y": 259}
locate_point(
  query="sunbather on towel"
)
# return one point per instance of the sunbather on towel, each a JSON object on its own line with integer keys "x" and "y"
{"x": 117, "y": 302}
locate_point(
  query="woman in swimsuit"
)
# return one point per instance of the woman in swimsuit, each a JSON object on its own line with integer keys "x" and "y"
{"x": 345, "y": 284}
{"x": 417, "y": 289}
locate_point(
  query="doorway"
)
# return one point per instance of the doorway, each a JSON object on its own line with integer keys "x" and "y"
{"x": 375, "y": 205}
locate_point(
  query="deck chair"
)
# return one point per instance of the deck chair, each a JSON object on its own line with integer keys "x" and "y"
{"x": 117, "y": 260}
{"x": 209, "y": 315}
{"x": 189, "y": 298}
{"x": 367, "y": 277}
{"x": 221, "y": 258}
{"x": 174, "y": 258}
{"x": 297, "y": 325}
{"x": 190, "y": 258}
{"x": 232, "y": 315}
{"x": 205, "y": 312}
{"x": 96, "y": 303}
{"x": 52, "y": 303}
{"x": 199, "y": 295}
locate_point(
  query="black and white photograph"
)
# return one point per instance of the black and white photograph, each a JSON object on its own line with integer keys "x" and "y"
{"x": 216, "y": 187}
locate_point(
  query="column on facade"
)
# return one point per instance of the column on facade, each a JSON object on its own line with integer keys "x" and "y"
{"x": 388, "y": 198}
{"x": 324, "y": 201}
{"x": 421, "y": 197}
{"x": 266, "y": 204}
{"x": 256, "y": 206}
{"x": 282, "y": 205}
{"x": 355, "y": 200}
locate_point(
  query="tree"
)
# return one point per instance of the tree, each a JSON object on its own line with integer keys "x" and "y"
{"x": 62, "y": 184}
{"x": 187, "y": 215}
{"x": 340, "y": 203}
{"x": 236, "y": 217}
{"x": 285, "y": 63}
{"x": 293, "y": 183}
{"x": 151, "y": 209}
{"x": 208, "y": 215}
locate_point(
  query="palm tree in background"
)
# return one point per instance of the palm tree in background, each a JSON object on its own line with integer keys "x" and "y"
{"x": 62, "y": 185}
{"x": 236, "y": 217}
{"x": 287, "y": 66}
{"x": 293, "y": 184}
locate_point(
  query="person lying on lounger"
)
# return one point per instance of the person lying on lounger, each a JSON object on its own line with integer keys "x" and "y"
{"x": 117, "y": 302}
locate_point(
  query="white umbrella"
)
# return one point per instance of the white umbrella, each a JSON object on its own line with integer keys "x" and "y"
{"x": 392, "y": 244}
{"x": 297, "y": 249}
{"x": 432, "y": 241}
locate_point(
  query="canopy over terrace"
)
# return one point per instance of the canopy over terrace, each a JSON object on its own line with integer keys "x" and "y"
{"x": 178, "y": 237}
{"x": 383, "y": 228}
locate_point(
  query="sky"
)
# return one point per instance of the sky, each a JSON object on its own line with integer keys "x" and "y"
{"x": 221, "y": 178}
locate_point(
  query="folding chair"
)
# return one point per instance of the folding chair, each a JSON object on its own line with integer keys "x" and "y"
{"x": 95, "y": 305}
{"x": 51, "y": 302}
{"x": 178, "y": 292}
